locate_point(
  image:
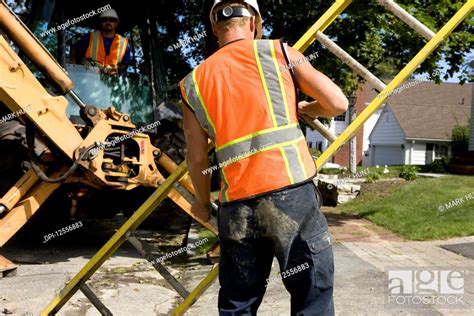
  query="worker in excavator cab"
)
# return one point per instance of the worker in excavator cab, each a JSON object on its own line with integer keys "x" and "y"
{"x": 105, "y": 48}
{"x": 244, "y": 98}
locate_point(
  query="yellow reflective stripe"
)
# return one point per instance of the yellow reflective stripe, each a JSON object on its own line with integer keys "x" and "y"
{"x": 280, "y": 80}
{"x": 95, "y": 45}
{"x": 288, "y": 169}
{"x": 284, "y": 144}
{"x": 203, "y": 105}
{"x": 300, "y": 161}
{"x": 265, "y": 131}
{"x": 264, "y": 83}
{"x": 280, "y": 146}
{"x": 225, "y": 189}
{"x": 185, "y": 96}
{"x": 193, "y": 98}
{"x": 121, "y": 49}
{"x": 291, "y": 142}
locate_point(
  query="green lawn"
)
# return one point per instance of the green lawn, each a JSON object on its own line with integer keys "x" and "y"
{"x": 413, "y": 210}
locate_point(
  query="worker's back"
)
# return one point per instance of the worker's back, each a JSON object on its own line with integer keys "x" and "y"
{"x": 247, "y": 104}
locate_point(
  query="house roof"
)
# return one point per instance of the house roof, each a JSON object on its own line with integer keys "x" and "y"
{"x": 426, "y": 110}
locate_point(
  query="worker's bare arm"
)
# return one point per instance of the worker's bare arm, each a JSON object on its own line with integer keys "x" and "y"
{"x": 197, "y": 156}
{"x": 331, "y": 101}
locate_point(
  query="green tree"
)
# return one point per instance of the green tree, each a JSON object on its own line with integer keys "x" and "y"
{"x": 366, "y": 30}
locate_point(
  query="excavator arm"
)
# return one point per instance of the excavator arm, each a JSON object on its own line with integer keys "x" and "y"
{"x": 22, "y": 93}
{"x": 106, "y": 152}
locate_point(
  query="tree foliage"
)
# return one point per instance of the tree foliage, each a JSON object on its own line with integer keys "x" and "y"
{"x": 366, "y": 30}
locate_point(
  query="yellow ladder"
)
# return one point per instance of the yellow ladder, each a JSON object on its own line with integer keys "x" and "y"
{"x": 314, "y": 33}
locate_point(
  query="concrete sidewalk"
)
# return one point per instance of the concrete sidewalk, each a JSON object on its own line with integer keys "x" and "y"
{"x": 128, "y": 284}
{"x": 361, "y": 281}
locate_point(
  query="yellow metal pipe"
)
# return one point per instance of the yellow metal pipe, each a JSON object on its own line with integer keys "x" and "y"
{"x": 36, "y": 52}
{"x": 23, "y": 211}
{"x": 13, "y": 196}
{"x": 402, "y": 76}
{"x": 321, "y": 24}
{"x": 115, "y": 242}
{"x": 112, "y": 245}
{"x": 198, "y": 291}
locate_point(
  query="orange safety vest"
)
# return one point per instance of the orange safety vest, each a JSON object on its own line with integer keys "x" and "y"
{"x": 96, "y": 49}
{"x": 246, "y": 102}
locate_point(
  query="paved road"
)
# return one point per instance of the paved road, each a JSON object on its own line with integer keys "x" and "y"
{"x": 128, "y": 284}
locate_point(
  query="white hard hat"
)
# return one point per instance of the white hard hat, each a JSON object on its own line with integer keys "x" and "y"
{"x": 110, "y": 13}
{"x": 253, "y": 4}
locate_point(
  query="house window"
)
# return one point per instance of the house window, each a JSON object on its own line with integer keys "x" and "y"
{"x": 319, "y": 145}
{"x": 340, "y": 118}
{"x": 441, "y": 151}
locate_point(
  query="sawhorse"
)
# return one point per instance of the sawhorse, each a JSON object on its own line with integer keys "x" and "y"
{"x": 314, "y": 33}
{"x": 124, "y": 233}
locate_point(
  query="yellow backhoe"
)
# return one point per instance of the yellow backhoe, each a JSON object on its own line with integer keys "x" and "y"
{"x": 108, "y": 152}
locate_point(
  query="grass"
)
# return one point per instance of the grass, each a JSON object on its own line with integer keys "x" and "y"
{"x": 413, "y": 209}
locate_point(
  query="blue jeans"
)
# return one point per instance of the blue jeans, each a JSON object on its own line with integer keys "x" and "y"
{"x": 289, "y": 225}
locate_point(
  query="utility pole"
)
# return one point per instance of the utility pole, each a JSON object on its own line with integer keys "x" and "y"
{"x": 353, "y": 141}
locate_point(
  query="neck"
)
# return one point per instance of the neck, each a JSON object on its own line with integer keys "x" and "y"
{"x": 230, "y": 36}
{"x": 108, "y": 34}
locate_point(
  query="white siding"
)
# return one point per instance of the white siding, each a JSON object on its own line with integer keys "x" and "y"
{"x": 387, "y": 131}
{"x": 418, "y": 154}
{"x": 368, "y": 128}
{"x": 314, "y": 137}
{"x": 339, "y": 127}
{"x": 407, "y": 153}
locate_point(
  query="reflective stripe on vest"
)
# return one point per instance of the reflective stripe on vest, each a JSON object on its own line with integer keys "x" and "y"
{"x": 96, "y": 49}
{"x": 194, "y": 98}
{"x": 270, "y": 144}
{"x": 272, "y": 82}
{"x": 282, "y": 138}
{"x": 95, "y": 42}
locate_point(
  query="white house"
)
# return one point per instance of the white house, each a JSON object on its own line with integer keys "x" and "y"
{"x": 316, "y": 140}
{"x": 415, "y": 124}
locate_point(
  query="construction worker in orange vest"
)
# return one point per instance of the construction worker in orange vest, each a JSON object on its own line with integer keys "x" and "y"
{"x": 244, "y": 98}
{"x": 105, "y": 48}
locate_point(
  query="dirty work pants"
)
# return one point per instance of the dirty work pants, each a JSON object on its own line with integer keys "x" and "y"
{"x": 289, "y": 225}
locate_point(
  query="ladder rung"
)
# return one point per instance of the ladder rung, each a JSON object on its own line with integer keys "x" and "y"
{"x": 103, "y": 310}
{"x": 407, "y": 18}
{"x": 350, "y": 61}
{"x": 142, "y": 248}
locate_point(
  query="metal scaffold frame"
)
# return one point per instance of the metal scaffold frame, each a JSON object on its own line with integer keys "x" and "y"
{"x": 313, "y": 34}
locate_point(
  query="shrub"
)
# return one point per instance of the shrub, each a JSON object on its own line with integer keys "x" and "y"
{"x": 409, "y": 173}
{"x": 439, "y": 165}
{"x": 460, "y": 139}
{"x": 314, "y": 152}
{"x": 373, "y": 176}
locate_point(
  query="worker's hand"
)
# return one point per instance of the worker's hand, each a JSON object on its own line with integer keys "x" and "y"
{"x": 307, "y": 108}
{"x": 111, "y": 70}
{"x": 201, "y": 211}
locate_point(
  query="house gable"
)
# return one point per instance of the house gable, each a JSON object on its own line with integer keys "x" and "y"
{"x": 387, "y": 130}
